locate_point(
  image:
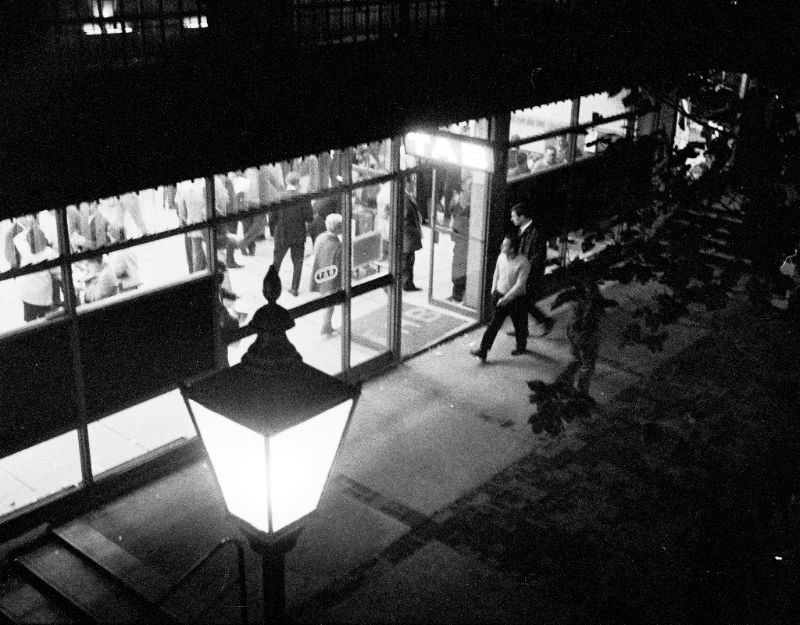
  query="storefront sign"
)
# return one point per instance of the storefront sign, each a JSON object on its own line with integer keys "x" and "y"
{"x": 450, "y": 151}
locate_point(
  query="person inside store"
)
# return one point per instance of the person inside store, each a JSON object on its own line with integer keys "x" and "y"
{"x": 549, "y": 159}
{"x": 191, "y": 205}
{"x": 123, "y": 263}
{"x": 26, "y": 244}
{"x": 321, "y": 208}
{"x": 235, "y": 184}
{"x": 412, "y": 236}
{"x": 77, "y": 229}
{"x": 99, "y": 280}
{"x": 508, "y": 298}
{"x": 520, "y": 168}
{"x": 288, "y": 225}
{"x": 326, "y": 273}
{"x": 225, "y": 204}
{"x": 457, "y": 211}
{"x": 533, "y": 245}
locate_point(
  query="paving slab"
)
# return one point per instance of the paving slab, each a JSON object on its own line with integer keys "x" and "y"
{"x": 436, "y": 585}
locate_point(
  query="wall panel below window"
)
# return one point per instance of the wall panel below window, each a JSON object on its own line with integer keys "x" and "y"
{"x": 36, "y": 387}
{"x": 134, "y": 350}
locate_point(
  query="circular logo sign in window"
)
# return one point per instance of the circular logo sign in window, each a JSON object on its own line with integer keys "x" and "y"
{"x": 326, "y": 274}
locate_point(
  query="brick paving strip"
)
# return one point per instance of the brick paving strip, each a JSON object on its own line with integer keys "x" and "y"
{"x": 668, "y": 508}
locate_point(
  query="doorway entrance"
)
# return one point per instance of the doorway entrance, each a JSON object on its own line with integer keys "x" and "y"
{"x": 451, "y": 202}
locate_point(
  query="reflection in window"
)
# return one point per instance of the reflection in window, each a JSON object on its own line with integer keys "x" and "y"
{"x": 539, "y": 120}
{"x": 135, "y": 269}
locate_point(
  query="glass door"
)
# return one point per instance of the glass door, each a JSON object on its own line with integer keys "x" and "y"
{"x": 451, "y": 202}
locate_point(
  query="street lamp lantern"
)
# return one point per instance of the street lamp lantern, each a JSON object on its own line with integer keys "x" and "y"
{"x": 272, "y": 427}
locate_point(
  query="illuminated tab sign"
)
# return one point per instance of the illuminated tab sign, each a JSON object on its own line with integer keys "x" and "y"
{"x": 450, "y": 151}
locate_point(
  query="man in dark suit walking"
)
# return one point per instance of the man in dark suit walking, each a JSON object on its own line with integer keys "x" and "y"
{"x": 533, "y": 245}
{"x": 288, "y": 226}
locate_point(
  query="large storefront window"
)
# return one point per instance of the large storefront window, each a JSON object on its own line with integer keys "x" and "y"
{"x": 39, "y": 471}
{"x": 526, "y": 158}
{"x": 596, "y": 107}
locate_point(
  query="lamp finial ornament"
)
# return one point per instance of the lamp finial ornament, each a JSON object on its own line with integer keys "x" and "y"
{"x": 272, "y": 352}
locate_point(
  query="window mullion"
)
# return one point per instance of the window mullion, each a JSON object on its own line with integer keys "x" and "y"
{"x": 70, "y": 305}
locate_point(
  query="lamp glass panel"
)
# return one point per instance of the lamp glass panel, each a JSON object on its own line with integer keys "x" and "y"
{"x": 300, "y": 460}
{"x": 238, "y": 456}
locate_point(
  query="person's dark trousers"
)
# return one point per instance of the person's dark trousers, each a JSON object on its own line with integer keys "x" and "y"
{"x": 459, "y": 286}
{"x": 224, "y": 242}
{"x": 531, "y": 297}
{"x": 187, "y": 244}
{"x": 32, "y": 311}
{"x": 198, "y": 256}
{"x": 298, "y": 250}
{"x": 408, "y": 269}
{"x": 253, "y": 230}
{"x": 518, "y": 313}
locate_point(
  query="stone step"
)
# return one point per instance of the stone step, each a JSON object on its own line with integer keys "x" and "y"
{"x": 21, "y": 603}
{"x": 182, "y": 604}
{"x": 112, "y": 558}
{"x": 83, "y": 585}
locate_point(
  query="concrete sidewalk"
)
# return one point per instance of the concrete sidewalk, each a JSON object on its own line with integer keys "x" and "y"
{"x": 446, "y": 508}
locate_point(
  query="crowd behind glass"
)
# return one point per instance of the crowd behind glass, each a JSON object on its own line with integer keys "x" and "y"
{"x": 255, "y": 233}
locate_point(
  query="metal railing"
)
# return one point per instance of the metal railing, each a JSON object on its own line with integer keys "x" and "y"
{"x": 193, "y": 570}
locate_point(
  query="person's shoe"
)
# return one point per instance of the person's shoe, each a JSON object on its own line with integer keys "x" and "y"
{"x": 411, "y": 287}
{"x": 293, "y": 292}
{"x": 233, "y": 265}
{"x": 454, "y": 299}
{"x": 328, "y": 332}
{"x": 480, "y": 354}
{"x": 512, "y": 333}
{"x": 520, "y": 352}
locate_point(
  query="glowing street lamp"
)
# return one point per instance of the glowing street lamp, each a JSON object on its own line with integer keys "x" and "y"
{"x": 272, "y": 427}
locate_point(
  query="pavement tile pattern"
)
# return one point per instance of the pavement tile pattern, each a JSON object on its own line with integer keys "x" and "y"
{"x": 675, "y": 503}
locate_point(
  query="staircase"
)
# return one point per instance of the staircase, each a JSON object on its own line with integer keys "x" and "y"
{"x": 75, "y": 574}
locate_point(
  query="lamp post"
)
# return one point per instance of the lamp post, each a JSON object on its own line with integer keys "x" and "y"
{"x": 272, "y": 427}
